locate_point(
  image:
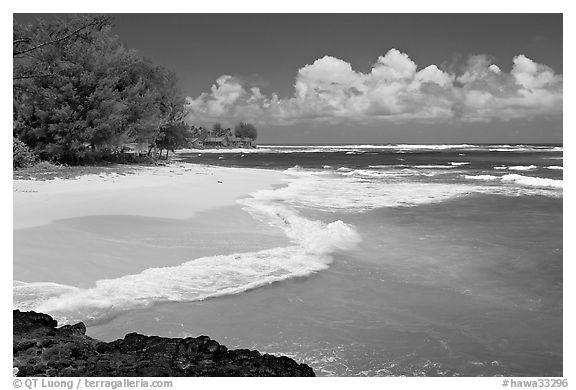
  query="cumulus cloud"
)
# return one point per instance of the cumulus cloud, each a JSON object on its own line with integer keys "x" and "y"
{"x": 330, "y": 90}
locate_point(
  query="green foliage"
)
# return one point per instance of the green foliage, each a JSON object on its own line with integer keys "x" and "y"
{"x": 80, "y": 99}
{"x": 217, "y": 128}
{"x": 173, "y": 136}
{"x": 244, "y": 129}
{"x": 22, "y": 156}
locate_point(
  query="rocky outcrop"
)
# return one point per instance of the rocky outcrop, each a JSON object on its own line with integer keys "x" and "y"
{"x": 42, "y": 349}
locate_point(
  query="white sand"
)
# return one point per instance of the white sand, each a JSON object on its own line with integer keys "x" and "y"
{"x": 176, "y": 191}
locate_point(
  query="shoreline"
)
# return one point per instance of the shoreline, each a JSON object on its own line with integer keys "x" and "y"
{"x": 178, "y": 191}
{"x": 75, "y": 233}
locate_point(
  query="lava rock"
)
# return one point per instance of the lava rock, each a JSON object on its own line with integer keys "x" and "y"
{"x": 42, "y": 349}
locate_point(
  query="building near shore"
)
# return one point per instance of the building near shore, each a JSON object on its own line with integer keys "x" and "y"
{"x": 135, "y": 148}
{"x": 228, "y": 140}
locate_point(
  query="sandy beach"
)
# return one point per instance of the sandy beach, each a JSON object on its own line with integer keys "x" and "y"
{"x": 175, "y": 191}
{"x": 95, "y": 227}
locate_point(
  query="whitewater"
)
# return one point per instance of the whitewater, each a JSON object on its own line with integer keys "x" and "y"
{"x": 201, "y": 278}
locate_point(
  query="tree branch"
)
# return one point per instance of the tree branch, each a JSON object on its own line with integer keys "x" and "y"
{"x": 22, "y": 40}
{"x": 75, "y": 32}
{"x": 33, "y": 76}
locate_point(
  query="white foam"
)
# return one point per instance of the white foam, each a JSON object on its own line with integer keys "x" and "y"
{"x": 524, "y": 148}
{"x": 313, "y": 245}
{"x": 199, "y": 152}
{"x": 532, "y": 181}
{"x": 29, "y": 296}
{"x": 367, "y": 173}
{"x": 459, "y": 163}
{"x": 436, "y": 146}
{"x": 522, "y": 168}
{"x": 555, "y": 167}
{"x": 399, "y": 148}
{"x": 353, "y": 192}
{"x": 433, "y": 166}
{"x": 192, "y": 281}
{"x": 481, "y": 177}
{"x": 363, "y": 190}
{"x": 362, "y": 147}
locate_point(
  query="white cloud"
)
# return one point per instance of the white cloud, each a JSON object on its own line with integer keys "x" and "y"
{"x": 494, "y": 68}
{"x": 431, "y": 74}
{"x": 393, "y": 66}
{"x": 330, "y": 90}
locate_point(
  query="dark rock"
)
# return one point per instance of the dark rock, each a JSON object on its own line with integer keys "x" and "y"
{"x": 181, "y": 348}
{"x": 31, "y": 321}
{"x": 78, "y": 328}
{"x": 44, "y": 343}
{"x": 212, "y": 346}
{"x": 23, "y": 345}
{"x": 42, "y": 349}
{"x": 102, "y": 347}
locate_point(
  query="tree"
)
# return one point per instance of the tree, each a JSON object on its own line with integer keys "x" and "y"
{"x": 244, "y": 129}
{"x": 172, "y": 137}
{"x": 23, "y": 44}
{"x": 81, "y": 94}
{"x": 216, "y": 128}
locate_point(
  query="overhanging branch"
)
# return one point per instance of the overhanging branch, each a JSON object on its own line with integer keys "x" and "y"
{"x": 75, "y": 32}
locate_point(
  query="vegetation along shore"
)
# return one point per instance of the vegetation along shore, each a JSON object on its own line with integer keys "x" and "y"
{"x": 81, "y": 97}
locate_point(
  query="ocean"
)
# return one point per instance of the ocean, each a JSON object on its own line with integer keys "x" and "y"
{"x": 369, "y": 260}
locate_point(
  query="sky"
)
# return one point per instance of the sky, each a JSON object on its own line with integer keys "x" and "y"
{"x": 364, "y": 78}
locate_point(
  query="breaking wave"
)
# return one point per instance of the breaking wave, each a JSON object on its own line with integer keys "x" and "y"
{"x": 533, "y": 181}
{"x": 358, "y": 190}
{"x": 481, "y": 177}
{"x": 523, "y": 181}
{"x": 522, "y": 168}
{"x": 312, "y": 245}
{"x": 357, "y": 149}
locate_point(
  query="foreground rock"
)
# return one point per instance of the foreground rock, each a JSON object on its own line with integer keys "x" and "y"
{"x": 42, "y": 349}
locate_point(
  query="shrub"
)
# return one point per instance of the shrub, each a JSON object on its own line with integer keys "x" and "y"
{"x": 243, "y": 129}
{"x": 46, "y": 166}
{"x": 22, "y": 156}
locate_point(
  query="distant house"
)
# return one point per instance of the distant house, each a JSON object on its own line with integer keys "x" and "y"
{"x": 135, "y": 148}
{"x": 216, "y": 142}
{"x": 196, "y": 143}
{"x": 239, "y": 142}
{"x": 226, "y": 140}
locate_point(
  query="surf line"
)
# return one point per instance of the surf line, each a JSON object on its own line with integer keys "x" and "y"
{"x": 313, "y": 241}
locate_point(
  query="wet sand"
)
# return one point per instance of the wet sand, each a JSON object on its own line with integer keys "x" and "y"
{"x": 76, "y": 232}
